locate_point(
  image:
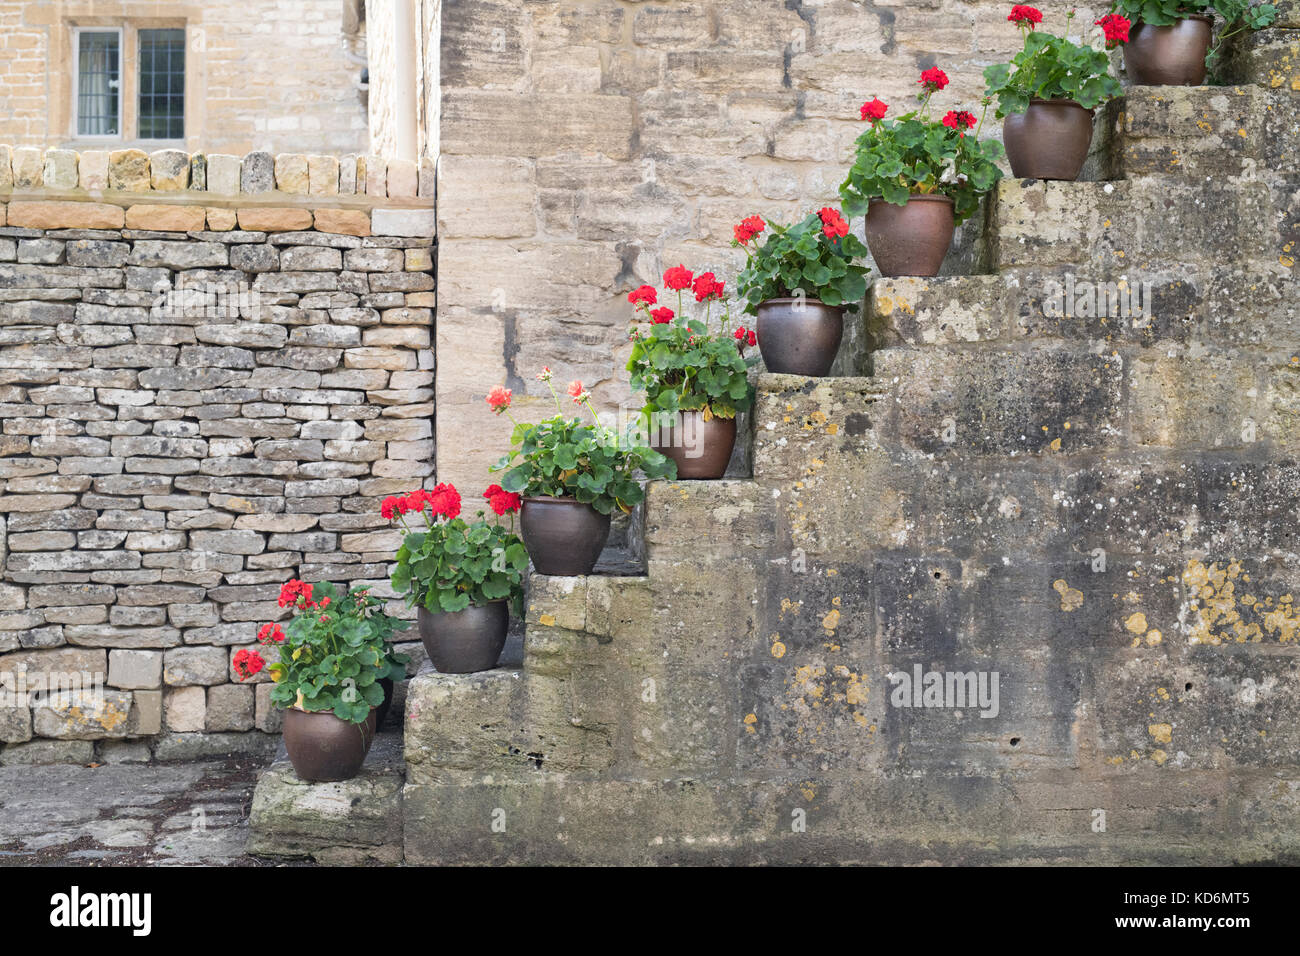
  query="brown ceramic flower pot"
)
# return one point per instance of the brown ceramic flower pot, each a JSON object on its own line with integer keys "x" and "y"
{"x": 463, "y": 642}
{"x": 1168, "y": 56}
{"x": 912, "y": 239}
{"x": 799, "y": 336}
{"x": 701, "y": 449}
{"x": 323, "y": 748}
{"x": 563, "y": 536}
{"x": 1049, "y": 140}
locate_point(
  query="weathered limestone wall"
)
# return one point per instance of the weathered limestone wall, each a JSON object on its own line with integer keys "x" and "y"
{"x": 1098, "y": 507}
{"x": 202, "y": 394}
{"x": 589, "y": 144}
{"x": 261, "y": 75}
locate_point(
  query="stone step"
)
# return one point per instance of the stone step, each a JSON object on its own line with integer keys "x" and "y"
{"x": 1143, "y": 223}
{"x": 1198, "y": 133}
{"x": 1224, "y": 307}
{"x": 352, "y": 822}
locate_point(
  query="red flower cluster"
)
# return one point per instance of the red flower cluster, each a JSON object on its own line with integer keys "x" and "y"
{"x": 745, "y": 337}
{"x": 499, "y": 399}
{"x": 678, "y": 278}
{"x": 748, "y": 229}
{"x": 501, "y": 501}
{"x": 577, "y": 392}
{"x": 1115, "y": 28}
{"x": 247, "y": 663}
{"x": 933, "y": 79}
{"x": 296, "y": 594}
{"x": 957, "y": 119}
{"x": 874, "y": 110}
{"x": 661, "y": 316}
{"x": 833, "y": 224}
{"x": 443, "y": 500}
{"x": 645, "y": 293}
{"x": 707, "y": 286}
{"x": 271, "y": 634}
{"x": 1024, "y": 14}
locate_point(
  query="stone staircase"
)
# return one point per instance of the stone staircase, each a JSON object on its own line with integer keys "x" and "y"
{"x": 1100, "y": 509}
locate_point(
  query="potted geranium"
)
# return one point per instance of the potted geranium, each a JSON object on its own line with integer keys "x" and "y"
{"x": 1048, "y": 92}
{"x": 1170, "y": 40}
{"x": 333, "y": 654}
{"x": 571, "y": 476}
{"x": 693, "y": 373}
{"x": 463, "y": 576}
{"x": 917, "y": 178}
{"x": 799, "y": 282}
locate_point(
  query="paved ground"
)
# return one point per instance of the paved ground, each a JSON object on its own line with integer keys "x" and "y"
{"x": 128, "y": 814}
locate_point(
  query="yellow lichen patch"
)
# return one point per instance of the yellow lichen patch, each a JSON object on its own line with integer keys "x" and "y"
{"x": 833, "y": 428}
{"x": 1159, "y": 756}
{"x": 1161, "y": 733}
{"x": 1223, "y": 618}
{"x": 750, "y": 721}
{"x": 791, "y": 607}
{"x": 831, "y": 621}
{"x": 1154, "y": 637}
{"x": 1071, "y": 598}
{"x": 1056, "y": 444}
{"x": 1137, "y": 623}
{"x": 546, "y": 620}
{"x": 778, "y": 649}
{"x": 807, "y": 790}
{"x": 884, "y": 304}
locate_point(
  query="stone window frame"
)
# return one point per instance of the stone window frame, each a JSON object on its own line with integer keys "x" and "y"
{"x": 75, "y": 48}
{"x": 65, "y": 68}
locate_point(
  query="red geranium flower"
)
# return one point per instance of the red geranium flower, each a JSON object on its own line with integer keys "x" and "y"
{"x": 874, "y": 110}
{"x": 645, "y": 293}
{"x": 833, "y": 224}
{"x": 443, "y": 500}
{"x": 661, "y": 316}
{"x": 499, "y": 399}
{"x": 577, "y": 392}
{"x": 1025, "y": 14}
{"x": 748, "y": 229}
{"x": 707, "y": 286}
{"x": 1115, "y": 28}
{"x": 296, "y": 593}
{"x": 271, "y": 634}
{"x": 957, "y": 118}
{"x": 933, "y": 79}
{"x": 247, "y": 663}
{"x": 502, "y": 501}
{"x": 678, "y": 278}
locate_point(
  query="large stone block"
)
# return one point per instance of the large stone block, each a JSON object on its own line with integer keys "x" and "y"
{"x": 357, "y": 821}
{"x": 479, "y": 121}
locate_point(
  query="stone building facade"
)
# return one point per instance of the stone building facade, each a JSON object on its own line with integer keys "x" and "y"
{"x": 283, "y": 76}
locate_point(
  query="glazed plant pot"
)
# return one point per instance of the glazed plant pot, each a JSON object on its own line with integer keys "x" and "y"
{"x": 1169, "y": 56}
{"x": 912, "y": 239}
{"x": 324, "y": 748}
{"x": 1049, "y": 140}
{"x": 799, "y": 336}
{"x": 463, "y": 642}
{"x": 700, "y": 449}
{"x": 563, "y": 536}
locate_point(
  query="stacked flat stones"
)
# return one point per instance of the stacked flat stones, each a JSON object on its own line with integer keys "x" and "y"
{"x": 166, "y": 462}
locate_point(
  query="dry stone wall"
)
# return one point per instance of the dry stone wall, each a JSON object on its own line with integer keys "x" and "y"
{"x": 201, "y": 396}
